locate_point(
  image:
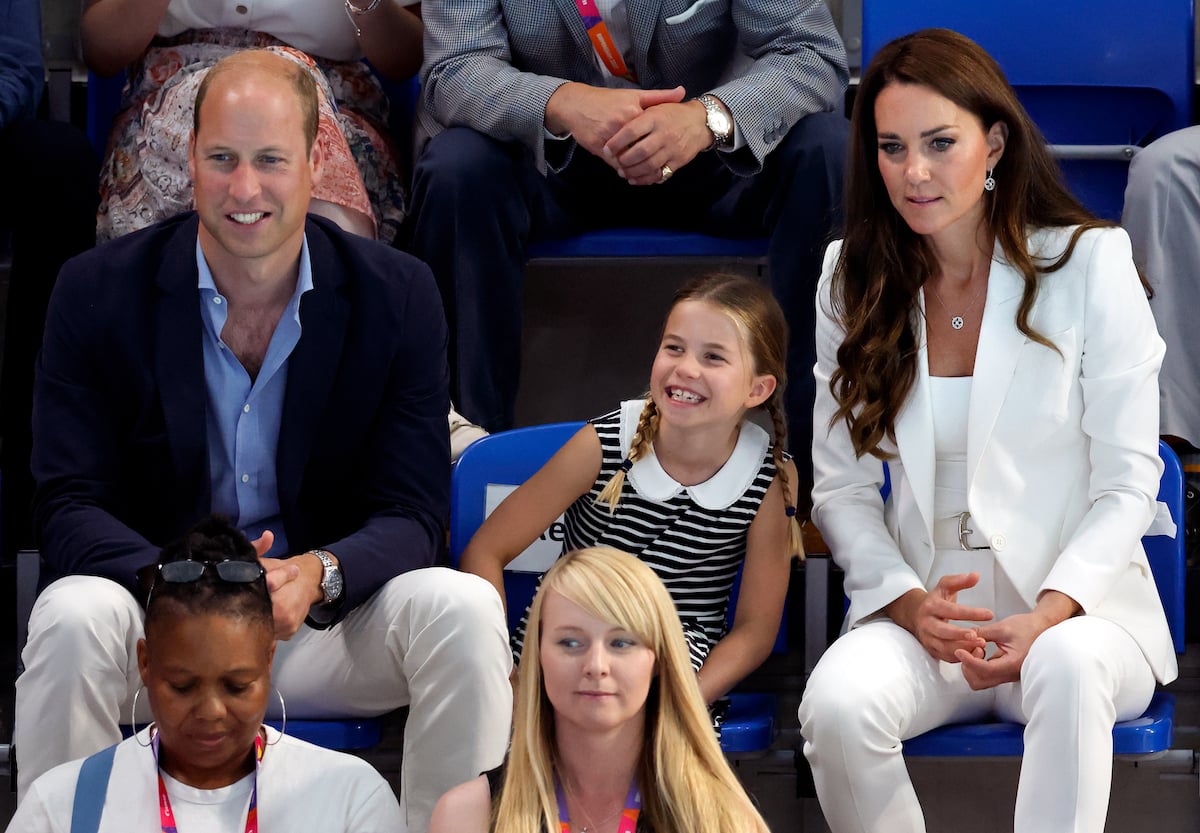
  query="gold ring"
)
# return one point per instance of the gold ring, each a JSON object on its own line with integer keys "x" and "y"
{"x": 667, "y": 173}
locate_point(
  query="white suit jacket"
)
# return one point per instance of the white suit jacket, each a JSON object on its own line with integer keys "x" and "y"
{"x": 1062, "y": 451}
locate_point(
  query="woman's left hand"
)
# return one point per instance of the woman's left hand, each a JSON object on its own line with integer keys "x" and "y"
{"x": 1013, "y": 637}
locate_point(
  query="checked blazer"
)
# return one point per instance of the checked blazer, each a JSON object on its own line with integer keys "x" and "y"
{"x": 492, "y": 65}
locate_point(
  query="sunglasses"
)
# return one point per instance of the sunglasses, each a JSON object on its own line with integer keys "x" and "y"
{"x": 184, "y": 572}
{"x": 234, "y": 572}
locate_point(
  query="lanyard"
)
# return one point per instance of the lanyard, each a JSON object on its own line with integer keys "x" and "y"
{"x": 167, "y": 818}
{"x": 629, "y": 816}
{"x": 602, "y": 41}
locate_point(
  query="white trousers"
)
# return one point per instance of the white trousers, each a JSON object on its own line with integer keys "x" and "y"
{"x": 876, "y": 686}
{"x": 1162, "y": 216}
{"x": 432, "y": 639}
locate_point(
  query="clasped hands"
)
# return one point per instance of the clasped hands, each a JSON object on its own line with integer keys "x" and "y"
{"x": 931, "y": 617}
{"x": 637, "y": 132}
{"x": 294, "y": 584}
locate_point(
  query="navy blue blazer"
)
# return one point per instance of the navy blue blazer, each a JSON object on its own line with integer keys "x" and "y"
{"x": 119, "y": 432}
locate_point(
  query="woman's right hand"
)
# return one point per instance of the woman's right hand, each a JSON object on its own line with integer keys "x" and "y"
{"x": 929, "y": 616}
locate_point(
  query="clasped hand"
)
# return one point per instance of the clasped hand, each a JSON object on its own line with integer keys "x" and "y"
{"x": 292, "y": 594}
{"x": 929, "y": 617}
{"x": 931, "y": 620}
{"x": 636, "y": 132}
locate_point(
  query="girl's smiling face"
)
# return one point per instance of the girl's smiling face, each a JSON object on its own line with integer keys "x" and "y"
{"x": 703, "y": 370}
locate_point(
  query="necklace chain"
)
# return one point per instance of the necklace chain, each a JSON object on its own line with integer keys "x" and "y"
{"x": 587, "y": 817}
{"x": 957, "y": 321}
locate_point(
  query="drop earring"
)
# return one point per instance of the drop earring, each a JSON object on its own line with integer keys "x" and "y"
{"x": 989, "y": 184}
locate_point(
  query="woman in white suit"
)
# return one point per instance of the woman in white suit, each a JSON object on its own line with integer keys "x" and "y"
{"x": 991, "y": 341}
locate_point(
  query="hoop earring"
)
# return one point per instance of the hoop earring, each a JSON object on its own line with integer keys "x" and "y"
{"x": 133, "y": 717}
{"x": 989, "y": 184}
{"x": 283, "y": 714}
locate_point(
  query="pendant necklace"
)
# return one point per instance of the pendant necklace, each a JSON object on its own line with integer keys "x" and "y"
{"x": 956, "y": 321}
{"x": 590, "y": 826}
{"x": 629, "y": 812}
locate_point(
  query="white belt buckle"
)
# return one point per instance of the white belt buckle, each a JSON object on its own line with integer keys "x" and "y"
{"x": 964, "y": 531}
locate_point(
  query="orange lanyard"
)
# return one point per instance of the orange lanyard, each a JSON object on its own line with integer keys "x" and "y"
{"x": 602, "y": 41}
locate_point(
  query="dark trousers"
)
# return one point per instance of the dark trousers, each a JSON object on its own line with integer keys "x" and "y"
{"x": 478, "y": 202}
{"x": 48, "y": 198}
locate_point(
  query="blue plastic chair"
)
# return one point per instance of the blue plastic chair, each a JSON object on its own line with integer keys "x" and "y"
{"x": 647, "y": 242}
{"x": 510, "y": 458}
{"x": 1100, "y": 77}
{"x": 103, "y": 103}
{"x": 1149, "y": 734}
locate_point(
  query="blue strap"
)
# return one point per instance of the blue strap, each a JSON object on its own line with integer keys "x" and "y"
{"x": 90, "y": 791}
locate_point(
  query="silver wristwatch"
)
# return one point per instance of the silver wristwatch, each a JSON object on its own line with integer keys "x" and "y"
{"x": 718, "y": 121}
{"x": 332, "y": 584}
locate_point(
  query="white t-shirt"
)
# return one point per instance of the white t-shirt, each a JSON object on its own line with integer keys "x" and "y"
{"x": 318, "y": 28}
{"x": 300, "y": 787}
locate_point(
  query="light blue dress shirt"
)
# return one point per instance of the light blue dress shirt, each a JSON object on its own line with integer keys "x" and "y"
{"x": 243, "y": 416}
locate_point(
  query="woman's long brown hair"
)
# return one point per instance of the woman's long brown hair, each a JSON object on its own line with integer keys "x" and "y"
{"x": 883, "y": 264}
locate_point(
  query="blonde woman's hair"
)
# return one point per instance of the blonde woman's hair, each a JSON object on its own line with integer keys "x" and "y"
{"x": 760, "y": 324}
{"x": 685, "y": 781}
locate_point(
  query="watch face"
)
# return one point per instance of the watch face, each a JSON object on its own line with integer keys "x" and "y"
{"x": 719, "y": 124}
{"x": 332, "y": 585}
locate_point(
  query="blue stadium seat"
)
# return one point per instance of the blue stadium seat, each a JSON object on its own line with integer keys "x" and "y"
{"x": 1100, "y": 77}
{"x": 1149, "y": 734}
{"x": 103, "y": 104}
{"x": 508, "y": 459}
{"x": 647, "y": 242}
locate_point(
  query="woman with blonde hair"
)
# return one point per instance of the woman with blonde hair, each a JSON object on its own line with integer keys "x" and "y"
{"x": 610, "y": 734}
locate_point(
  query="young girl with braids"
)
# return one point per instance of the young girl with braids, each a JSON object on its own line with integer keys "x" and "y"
{"x": 683, "y": 480}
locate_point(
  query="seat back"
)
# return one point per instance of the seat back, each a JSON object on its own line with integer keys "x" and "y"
{"x": 1097, "y": 76}
{"x": 647, "y": 242}
{"x": 1168, "y": 555}
{"x": 488, "y": 470}
{"x": 103, "y": 104}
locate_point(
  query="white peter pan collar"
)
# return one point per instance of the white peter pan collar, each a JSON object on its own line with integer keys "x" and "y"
{"x": 720, "y": 491}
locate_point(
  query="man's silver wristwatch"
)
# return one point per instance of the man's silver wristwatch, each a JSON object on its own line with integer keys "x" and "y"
{"x": 718, "y": 121}
{"x": 331, "y": 582}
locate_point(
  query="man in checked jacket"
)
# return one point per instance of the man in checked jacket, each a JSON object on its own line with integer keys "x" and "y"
{"x": 545, "y": 119}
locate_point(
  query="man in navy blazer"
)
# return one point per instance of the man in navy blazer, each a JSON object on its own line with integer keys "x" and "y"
{"x": 547, "y": 119}
{"x": 251, "y": 361}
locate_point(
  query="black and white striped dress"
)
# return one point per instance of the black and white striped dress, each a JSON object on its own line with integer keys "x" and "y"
{"x": 693, "y": 537}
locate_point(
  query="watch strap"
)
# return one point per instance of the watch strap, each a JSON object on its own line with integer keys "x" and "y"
{"x": 715, "y": 109}
{"x": 328, "y": 577}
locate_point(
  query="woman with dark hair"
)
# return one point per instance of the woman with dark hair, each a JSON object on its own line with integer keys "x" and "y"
{"x": 991, "y": 341}
{"x": 207, "y": 762}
